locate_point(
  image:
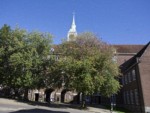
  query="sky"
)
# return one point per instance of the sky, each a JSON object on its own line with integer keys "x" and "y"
{"x": 114, "y": 21}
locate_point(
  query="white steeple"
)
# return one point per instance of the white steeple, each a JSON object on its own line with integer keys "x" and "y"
{"x": 72, "y": 33}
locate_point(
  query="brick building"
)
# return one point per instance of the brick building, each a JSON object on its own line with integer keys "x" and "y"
{"x": 134, "y": 61}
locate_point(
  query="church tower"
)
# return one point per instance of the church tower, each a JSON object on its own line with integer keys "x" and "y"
{"x": 72, "y": 33}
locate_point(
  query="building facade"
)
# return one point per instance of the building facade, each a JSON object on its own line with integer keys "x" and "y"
{"x": 135, "y": 92}
{"x": 134, "y": 63}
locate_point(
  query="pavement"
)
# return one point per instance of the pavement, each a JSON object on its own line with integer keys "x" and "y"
{"x": 13, "y": 106}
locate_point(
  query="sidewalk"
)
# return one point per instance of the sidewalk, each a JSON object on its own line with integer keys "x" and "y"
{"x": 11, "y": 103}
{"x": 93, "y": 108}
{"x": 99, "y": 109}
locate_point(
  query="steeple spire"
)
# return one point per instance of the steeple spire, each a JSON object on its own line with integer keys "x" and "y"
{"x": 72, "y": 33}
{"x": 73, "y": 20}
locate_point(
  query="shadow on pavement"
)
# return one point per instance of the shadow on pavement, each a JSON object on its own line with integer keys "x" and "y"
{"x": 62, "y": 105}
{"x": 55, "y": 105}
{"x": 51, "y": 105}
{"x": 37, "y": 111}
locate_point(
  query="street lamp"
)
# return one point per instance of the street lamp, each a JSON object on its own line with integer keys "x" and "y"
{"x": 113, "y": 103}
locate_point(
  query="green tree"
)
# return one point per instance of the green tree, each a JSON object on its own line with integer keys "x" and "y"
{"x": 88, "y": 66}
{"x": 23, "y": 58}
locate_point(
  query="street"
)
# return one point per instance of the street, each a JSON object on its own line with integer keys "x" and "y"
{"x": 12, "y": 106}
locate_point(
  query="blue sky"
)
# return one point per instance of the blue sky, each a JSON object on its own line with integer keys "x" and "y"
{"x": 115, "y": 21}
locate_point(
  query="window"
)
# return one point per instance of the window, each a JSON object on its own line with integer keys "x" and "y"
{"x": 126, "y": 80}
{"x": 129, "y": 77}
{"x": 128, "y": 98}
{"x": 124, "y": 97}
{"x": 133, "y": 74}
{"x": 136, "y": 97}
{"x": 131, "y": 97}
{"x": 122, "y": 80}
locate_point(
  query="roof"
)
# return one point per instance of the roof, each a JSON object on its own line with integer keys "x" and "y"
{"x": 133, "y": 60}
{"x": 128, "y": 48}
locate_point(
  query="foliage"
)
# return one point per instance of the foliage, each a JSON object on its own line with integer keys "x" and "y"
{"x": 88, "y": 66}
{"x": 27, "y": 60}
{"x": 23, "y": 57}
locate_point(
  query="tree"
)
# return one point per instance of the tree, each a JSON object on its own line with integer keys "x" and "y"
{"x": 23, "y": 58}
{"x": 88, "y": 66}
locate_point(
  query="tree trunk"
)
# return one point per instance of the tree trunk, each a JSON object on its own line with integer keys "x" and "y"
{"x": 83, "y": 101}
{"x": 16, "y": 93}
{"x": 91, "y": 100}
{"x": 26, "y": 94}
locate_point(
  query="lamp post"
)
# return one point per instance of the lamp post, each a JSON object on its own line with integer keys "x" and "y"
{"x": 112, "y": 103}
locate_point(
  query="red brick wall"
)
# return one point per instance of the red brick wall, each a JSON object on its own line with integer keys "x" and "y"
{"x": 144, "y": 70}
